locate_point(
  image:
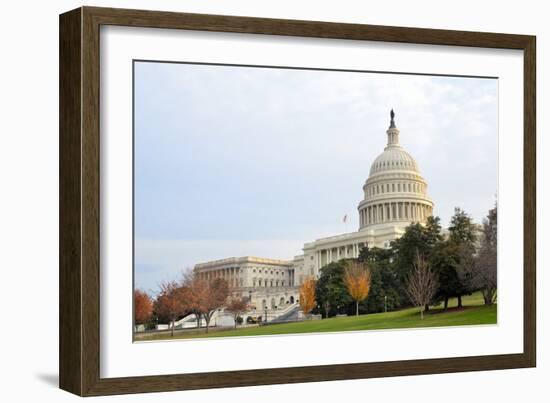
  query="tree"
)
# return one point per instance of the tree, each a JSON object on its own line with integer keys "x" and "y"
{"x": 307, "y": 295}
{"x": 462, "y": 229}
{"x": 357, "y": 279}
{"x": 330, "y": 289}
{"x": 171, "y": 302}
{"x": 384, "y": 285}
{"x": 237, "y": 306}
{"x": 196, "y": 290}
{"x": 485, "y": 276}
{"x": 444, "y": 262}
{"x": 212, "y": 296}
{"x": 418, "y": 238}
{"x": 143, "y": 307}
{"x": 422, "y": 284}
{"x": 462, "y": 239}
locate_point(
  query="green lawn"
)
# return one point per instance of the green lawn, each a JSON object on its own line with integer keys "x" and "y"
{"x": 474, "y": 313}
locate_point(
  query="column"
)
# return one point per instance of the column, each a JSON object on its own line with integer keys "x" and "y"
{"x": 318, "y": 259}
{"x": 368, "y": 215}
{"x": 371, "y": 214}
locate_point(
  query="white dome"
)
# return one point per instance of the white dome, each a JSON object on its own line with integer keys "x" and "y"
{"x": 394, "y": 158}
{"x": 395, "y": 193}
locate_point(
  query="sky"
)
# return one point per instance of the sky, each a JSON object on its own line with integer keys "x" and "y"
{"x": 235, "y": 161}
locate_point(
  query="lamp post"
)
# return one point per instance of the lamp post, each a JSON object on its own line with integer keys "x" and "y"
{"x": 385, "y": 303}
{"x": 265, "y": 308}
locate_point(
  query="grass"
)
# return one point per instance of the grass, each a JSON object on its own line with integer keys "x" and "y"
{"x": 473, "y": 313}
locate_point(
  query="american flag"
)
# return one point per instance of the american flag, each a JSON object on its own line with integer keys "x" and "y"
{"x": 345, "y": 219}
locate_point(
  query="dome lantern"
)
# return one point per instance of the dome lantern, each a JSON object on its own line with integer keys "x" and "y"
{"x": 393, "y": 132}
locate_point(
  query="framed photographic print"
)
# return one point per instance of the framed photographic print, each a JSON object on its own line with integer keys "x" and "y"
{"x": 273, "y": 201}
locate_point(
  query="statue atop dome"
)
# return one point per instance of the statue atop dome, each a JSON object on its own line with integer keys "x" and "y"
{"x": 393, "y": 132}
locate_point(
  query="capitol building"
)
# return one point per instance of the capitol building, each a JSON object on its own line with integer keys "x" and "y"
{"x": 394, "y": 196}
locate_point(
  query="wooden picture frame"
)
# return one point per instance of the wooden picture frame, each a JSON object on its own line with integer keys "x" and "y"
{"x": 79, "y": 346}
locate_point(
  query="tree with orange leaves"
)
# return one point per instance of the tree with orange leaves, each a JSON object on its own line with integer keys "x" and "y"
{"x": 143, "y": 307}
{"x": 237, "y": 306}
{"x": 307, "y": 295}
{"x": 172, "y": 301}
{"x": 212, "y": 297}
{"x": 196, "y": 290}
{"x": 357, "y": 281}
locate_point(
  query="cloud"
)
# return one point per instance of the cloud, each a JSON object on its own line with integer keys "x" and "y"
{"x": 230, "y": 153}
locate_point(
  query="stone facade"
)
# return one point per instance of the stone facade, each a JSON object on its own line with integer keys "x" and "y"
{"x": 265, "y": 282}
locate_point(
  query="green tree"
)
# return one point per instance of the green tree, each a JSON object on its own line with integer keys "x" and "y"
{"x": 462, "y": 231}
{"x": 453, "y": 259}
{"x": 331, "y": 292}
{"x": 443, "y": 261}
{"x": 485, "y": 276}
{"x": 384, "y": 292}
{"x": 417, "y": 239}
